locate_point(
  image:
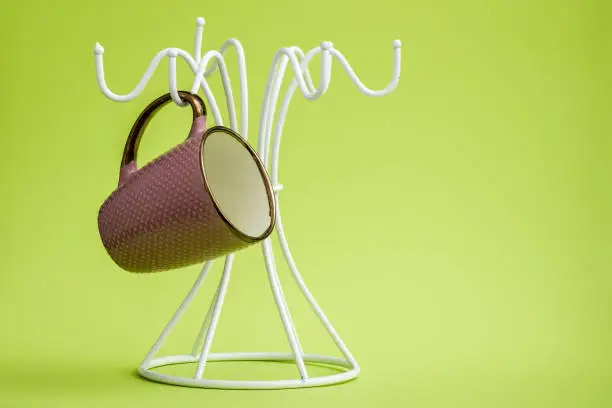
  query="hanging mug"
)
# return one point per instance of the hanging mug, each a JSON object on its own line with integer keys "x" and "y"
{"x": 207, "y": 197}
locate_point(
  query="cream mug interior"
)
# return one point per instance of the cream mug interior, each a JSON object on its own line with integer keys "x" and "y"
{"x": 235, "y": 183}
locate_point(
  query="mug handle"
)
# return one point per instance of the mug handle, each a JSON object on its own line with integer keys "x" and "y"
{"x": 198, "y": 127}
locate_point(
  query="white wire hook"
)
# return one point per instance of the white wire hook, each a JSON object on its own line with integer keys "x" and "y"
{"x": 197, "y": 44}
{"x": 397, "y": 62}
{"x": 199, "y": 66}
{"x": 302, "y": 80}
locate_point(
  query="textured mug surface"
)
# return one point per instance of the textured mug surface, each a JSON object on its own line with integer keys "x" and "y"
{"x": 164, "y": 216}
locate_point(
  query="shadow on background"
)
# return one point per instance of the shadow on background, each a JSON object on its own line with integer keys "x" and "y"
{"x": 67, "y": 378}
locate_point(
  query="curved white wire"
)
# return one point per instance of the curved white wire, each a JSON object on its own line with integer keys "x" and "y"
{"x": 271, "y": 94}
{"x": 308, "y": 91}
{"x": 173, "y": 53}
{"x": 179, "y": 312}
{"x": 214, "y": 317}
{"x": 198, "y": 64}
{"x": 197, "y": 42}
{"x": 301, "y": 80}
{"x": 199, "y": 78}
{"x": 265, "y": 124}
{"x": 303, "y": 73}
{"x": 397, "y": 65}
{"x": 244, "y": 91}
{"x": 283, "y": 309}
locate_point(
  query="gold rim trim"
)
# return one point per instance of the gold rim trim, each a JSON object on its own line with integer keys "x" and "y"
{"x": 133, "y": 141}
{"x": 263, "y": 173}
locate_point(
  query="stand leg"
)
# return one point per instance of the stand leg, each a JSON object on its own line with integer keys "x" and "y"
{"x": 222, "y": 289}
{"x": 283, "y": 310}
{"x": 177, "y": 315}
{"x": 199, "y": 341}
{"x": 282, "y": 295}
{"x": 309, "y": 297}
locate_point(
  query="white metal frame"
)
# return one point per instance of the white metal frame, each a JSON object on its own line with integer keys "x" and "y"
{"x": 199, "y": 64}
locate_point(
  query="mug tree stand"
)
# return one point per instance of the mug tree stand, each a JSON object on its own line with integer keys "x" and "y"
{"x": 270, "y": 124}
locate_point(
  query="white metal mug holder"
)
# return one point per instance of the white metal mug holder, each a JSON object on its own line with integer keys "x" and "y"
{"x": 201, "y": 351}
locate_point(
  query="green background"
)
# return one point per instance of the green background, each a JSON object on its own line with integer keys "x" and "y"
{"x": 456, "y": 232}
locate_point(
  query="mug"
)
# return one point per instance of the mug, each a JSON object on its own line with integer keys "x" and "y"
{"x": 206, "y": 197}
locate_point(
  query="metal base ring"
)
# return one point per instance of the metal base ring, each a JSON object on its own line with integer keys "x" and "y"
{"x": 350, "y": 371}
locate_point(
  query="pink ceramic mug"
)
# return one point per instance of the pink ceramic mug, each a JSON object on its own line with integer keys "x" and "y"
{"x": 206, "y": 197}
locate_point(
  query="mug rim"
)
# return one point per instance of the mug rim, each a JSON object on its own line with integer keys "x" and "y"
{"x": 263, "y": 173}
